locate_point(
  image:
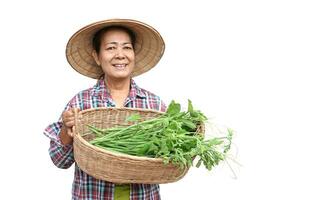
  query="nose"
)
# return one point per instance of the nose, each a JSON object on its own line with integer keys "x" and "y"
{"x": 119, "y": 54}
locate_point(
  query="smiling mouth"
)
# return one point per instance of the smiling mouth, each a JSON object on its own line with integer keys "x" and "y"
{"x": 119, "y": 66}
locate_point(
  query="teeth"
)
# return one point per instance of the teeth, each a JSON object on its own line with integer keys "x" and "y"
{"x": 120, "y": 65}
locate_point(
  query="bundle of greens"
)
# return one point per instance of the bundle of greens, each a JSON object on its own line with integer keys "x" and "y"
{"x": 174, "y": 137}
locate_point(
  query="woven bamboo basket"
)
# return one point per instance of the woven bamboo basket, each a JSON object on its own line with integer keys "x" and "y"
{"x": 117, "y": 167}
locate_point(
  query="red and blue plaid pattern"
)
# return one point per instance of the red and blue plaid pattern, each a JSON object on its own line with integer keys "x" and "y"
{"x": 86, "y": 187}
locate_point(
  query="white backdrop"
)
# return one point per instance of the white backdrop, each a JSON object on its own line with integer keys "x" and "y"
{"x": 244, "y": 63}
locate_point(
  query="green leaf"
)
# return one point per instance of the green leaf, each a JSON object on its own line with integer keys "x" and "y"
{"x": 144, "y": 149}
{"x": 174, "y": 125}
{"x": 229, "y": 138}
{"x": 214, "y": 142}
{"x": 189, "y": 124}
{"x": 133, "y": 118}
{"x": 190, "y": 107}
{"x": 199, "y": 163}
{"x": 173, "y": 108}
{"x": 152, "y": 150}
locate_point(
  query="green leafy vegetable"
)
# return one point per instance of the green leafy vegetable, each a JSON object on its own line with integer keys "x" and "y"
{"x": 174, "y": 137}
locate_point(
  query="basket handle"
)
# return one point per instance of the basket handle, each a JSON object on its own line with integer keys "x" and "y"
{"x": 72, "y": 131}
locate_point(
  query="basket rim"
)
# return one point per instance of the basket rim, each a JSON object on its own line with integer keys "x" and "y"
{"x": 123, "y": 108}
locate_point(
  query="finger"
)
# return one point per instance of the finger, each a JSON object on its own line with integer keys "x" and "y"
{"x": 69, "y": 124}
{"x": 69, "y": 132}
{"x": 67, "y": 119}
{"x": 69, "y": 112}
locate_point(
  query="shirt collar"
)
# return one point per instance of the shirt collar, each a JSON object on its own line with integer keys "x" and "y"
{"x": 100, "y": 89}
{"x": 136, "y": 91}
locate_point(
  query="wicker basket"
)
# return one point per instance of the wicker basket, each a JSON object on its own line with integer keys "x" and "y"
{"x": 117, "y": 167}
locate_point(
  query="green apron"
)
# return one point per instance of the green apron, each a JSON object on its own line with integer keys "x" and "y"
{"x": 122, "y": 192}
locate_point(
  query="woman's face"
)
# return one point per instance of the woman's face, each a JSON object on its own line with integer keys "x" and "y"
{"x": 116, "y": 56}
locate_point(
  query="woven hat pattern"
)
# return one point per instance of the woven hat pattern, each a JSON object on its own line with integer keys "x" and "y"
{"x": 149, "y": 47}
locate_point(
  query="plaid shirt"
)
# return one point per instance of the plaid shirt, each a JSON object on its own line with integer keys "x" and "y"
{"x": 85, "y": 186}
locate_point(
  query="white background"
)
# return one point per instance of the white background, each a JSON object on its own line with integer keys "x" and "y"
{"x": 244, "y": 63}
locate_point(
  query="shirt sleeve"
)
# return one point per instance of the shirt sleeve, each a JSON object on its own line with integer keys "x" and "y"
{"x": 61, "y": 155}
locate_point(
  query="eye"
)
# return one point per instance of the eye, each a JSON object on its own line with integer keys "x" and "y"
{"x": 111, "y": 48}
{"x": 128, "y": 47}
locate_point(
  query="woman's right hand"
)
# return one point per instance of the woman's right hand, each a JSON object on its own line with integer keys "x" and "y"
{"x": 68, "y": 118}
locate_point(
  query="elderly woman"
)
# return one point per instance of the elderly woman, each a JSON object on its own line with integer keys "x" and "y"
{"x": 112, "y": 51}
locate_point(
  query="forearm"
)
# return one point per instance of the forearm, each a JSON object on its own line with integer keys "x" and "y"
{"x": 61, "y": 155}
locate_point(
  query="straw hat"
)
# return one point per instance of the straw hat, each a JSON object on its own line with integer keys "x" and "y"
{"x": 149, "y": 47}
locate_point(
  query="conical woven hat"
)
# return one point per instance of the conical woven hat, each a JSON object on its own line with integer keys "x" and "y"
{"x": 149, "y": 47}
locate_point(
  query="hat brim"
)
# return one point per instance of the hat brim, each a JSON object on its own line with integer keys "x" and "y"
{"x": 149, "y": 47}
